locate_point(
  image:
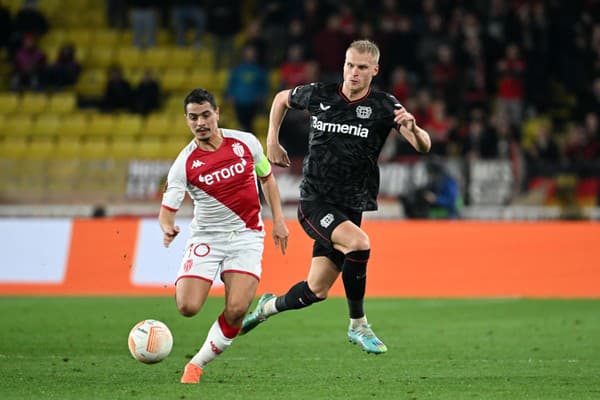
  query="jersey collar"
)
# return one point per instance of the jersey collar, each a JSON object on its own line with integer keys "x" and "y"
{"x": 347, "y": 100}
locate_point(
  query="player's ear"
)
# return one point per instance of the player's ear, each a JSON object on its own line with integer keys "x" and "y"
{"x": 218, "y": 112}
{"x": 376, "y": 70}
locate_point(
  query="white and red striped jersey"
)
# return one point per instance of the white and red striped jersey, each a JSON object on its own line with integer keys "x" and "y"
{"x": 221, "y": 183}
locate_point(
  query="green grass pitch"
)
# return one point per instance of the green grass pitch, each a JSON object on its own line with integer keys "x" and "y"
{"x": 76, "y": 348}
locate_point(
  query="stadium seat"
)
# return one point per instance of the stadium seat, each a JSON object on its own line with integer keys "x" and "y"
{"x": 33, "y": 103}
{"x": 156, "y": 58}
{"x": 9, "y": 103}
{"x": 100, "y": 57}
{"x": 101, "y": 126}
{"x": 152, "y": 149}
{"x": 181, "y": 57}
{"x": 74, "y": 127}
{"x": 174, "y": 79}
{"x": 92, "y": 82}
{"x": 47, "y": 125}
{"x": 106, "y": 38}
{"x": 80, "y": 37}
{"x": 123, "y": 148}
{"x": 18, "y": 125}
{"x": 95, "y": 148}
{"x": 68, "y": 148}
{"x": 127, "y": 125}
{"x": 40, "y": 148}
{"x": 129, "y": 57}
{"x": 14, "y": 147}
{"x": 161, "y": 125}
{"x": 62, "y": 103}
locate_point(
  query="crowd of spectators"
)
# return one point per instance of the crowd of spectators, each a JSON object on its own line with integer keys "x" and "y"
{"x": 509, "y": 79}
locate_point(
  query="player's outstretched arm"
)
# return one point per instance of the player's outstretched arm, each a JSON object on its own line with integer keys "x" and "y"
{"x": 416, "y": 136}
{"x": 271, "y": 193}
{"x": 166, "y": 219}
{"x": 275, "y": 152}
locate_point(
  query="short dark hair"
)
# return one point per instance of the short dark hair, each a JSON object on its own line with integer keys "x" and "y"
{"x": 199, "y": 96}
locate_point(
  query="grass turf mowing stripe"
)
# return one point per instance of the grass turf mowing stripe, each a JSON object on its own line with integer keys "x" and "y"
{"x": 76, "y": 348}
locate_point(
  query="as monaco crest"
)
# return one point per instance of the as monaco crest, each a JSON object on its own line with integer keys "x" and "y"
{"x": 363, "y": 112}
{"x": 238, "y": 149}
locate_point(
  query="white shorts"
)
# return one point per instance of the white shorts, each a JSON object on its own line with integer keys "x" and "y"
{"x": 209, "y": 254}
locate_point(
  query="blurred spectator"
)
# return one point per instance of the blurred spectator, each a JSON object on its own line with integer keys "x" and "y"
{"x": 440, "y": 198}
{"x": 297, "y": 36}
{"x": 65, "y": 70}
{"x": 444, "y": 77}
{"x": 430, "y": 41}
{"x": 293, "y": 69}
{"x": 401, "y": 87}
{"x": 255, "y": 38}
{"x": 116, "y": 13}
{"x": 274, "y": 25}
{"x": 543, "y": 154}
{"x": 589, "y": 101}
{"x": 28, "y": 21}
{"x": 224, "y": 22}
{"x": 247, "y": 88}
{"x": 480, "y": 142}
{"x": 439, "y": 125}
{"x": 147, "y": 94}
{"x": 28, "y": 66}
{"x": 474, "y": 80}
{"x": 144, "y": 22}
{"x": 329, "y": 46}
{"x": 511, "y": 70}
{"x": 5, "y": 27}
{"x": 118, "y": 95}
{"x": 188, "y": 14}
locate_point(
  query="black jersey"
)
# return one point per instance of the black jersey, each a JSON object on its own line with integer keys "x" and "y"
{"x": 345, "y": 140}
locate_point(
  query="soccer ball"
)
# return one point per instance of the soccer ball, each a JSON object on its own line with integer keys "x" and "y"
{"x": 150, "y": 341}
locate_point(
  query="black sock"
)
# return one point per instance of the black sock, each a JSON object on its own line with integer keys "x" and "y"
{"x": 299, "y": 296}
{"x": 354, "y": 275}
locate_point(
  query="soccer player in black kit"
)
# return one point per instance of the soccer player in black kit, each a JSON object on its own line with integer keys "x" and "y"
{"x": 349, "y": 125}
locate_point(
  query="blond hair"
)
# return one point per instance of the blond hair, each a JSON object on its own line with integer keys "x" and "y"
{"x": 366, "y": 46}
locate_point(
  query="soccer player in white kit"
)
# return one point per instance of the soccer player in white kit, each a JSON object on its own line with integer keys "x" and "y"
{"x": 218, "y": 169}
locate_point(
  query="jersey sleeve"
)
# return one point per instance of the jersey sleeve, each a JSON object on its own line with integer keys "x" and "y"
{"x": 176, "y": 184}
{"x": 300, "y": 96}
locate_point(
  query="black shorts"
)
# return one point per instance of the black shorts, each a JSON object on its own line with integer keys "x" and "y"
{"x": 318, "y": 220}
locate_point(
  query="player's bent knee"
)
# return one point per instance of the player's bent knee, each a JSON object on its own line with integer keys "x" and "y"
{"x": 187, "y": 310}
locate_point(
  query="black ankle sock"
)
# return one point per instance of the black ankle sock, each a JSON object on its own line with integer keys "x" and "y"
{"x": 354, "y": 275}
{"x": 299, "y": 296}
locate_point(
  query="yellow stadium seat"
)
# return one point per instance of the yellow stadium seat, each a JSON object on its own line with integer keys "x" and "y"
{"x": 127, "y": 125}
{"x": 9, "y": 103}
{"x": 156, "y": 57}
{"x": 152, "y": 149}
{"x": 14, "y": 147}
{"x": 123, "y": 148}
{"x": 100, "y": 57}
{"x": 182, "y": 57}
{"x": 62, "y": 103}
{"x": 95, "y": 148}
{"x": 174, "y": 79}
{"x": 74, "y": 127}
{"x": 40, "y": 148}
{"x": 106, "y": 38}
{"x": 68, "y": 148}
{"x": 33, "y": 103}
{"x": 101, "y": 126}
{"x": 18, "y": 125}
{"x": 47, "y": 125}
{"x": 160, "y": 125}
{"x": 92, "y": 82}
{"x": 81, "y": 37}
{"x": 129, "y": 57}
{"x": 54, "y": 38}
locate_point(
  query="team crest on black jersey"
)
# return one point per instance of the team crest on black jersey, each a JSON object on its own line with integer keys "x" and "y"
{"x": 238, "y": 149}
{"x": 364, "y": 112}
